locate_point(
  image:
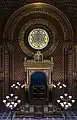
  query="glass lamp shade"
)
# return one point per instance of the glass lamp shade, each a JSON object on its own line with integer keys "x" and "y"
{"x": 23, "y": 86}
{"x": 16, "y": 87}
{"x": 66, "y": 106}
{"x": 16, "y": 97}
{"x": 64, "y": 85}
{"x": 73, "y": 101}
{"x": 65, "y": 95}
{"x": 54, "y": 85}
{"x": 58, "y": 101}
{"x": 11, "y": 106}
{"x": 7, "y": 97}
{"x": 18, "y": 83}
{"x": 69, "y": 97}
{"x": 60, "y": 87}
{"x": 69, "y": 104}
{"x": 13, "y": 85}
{"x": 12, "y": 103}
{"x": 61, "y": 97}
{"x": 4, "y": 101}
{"x": 62, "y": 104}
{"x": 18, "y": 101}
{"x": 11, "y": 95}
{"x": 8, "y": 104}
{"x": 15, "y": 104}
{"x": 59, "y": 83}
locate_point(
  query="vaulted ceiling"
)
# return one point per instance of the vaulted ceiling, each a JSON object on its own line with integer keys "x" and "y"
{"x": 68, "y": 7}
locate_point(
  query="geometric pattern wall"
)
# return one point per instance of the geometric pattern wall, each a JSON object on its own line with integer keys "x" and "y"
{"x": 19, "y": 67}
{"x": 63, "y": 29}
{"x": 58, "y": 72}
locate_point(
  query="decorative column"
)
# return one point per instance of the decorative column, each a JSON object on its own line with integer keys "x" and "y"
{"x": 6, "y": 71}
{"x": 75, "y": 72}
{"x": 1, "y": 73}
{"x": 25, "y": 72}
{"x": 70, "y": 69}
{"x": 76, "y": 57}
{"x": 51, "y": 82}
{"x": 11, "y": 63}
{"x": 66, "y": 66}
{"x": 9, "y": 66}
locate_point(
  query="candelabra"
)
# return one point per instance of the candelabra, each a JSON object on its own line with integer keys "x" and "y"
{"x": 11, "y": 102}
{"x": 18, "y": 85}
{"x": 59, "y": 85}
{"x": 53, "y": 86}
{"x": 21, "y": 89}
{"x": 65, "y": 102}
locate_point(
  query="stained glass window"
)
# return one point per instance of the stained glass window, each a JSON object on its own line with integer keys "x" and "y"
{"x": 38, "y": 38}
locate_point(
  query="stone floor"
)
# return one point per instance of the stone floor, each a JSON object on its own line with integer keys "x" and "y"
{"x": 69, "y": 116}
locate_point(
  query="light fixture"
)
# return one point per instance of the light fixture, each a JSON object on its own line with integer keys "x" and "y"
{"x": 18, "y": 85}
{"x": 58, "y": 101}
{"x": 73, "y": 101}
{"x": 70, "y": 97}
{"x": 65, "y": 101}
{"x": 4, "y": 101}
{"x": 7, "y": 97}
{"x": 59, "y": 85}
{"x": 16, "y": 97}
{"x": 65, "y": 95}
{"x": 11, "y": 95}
{"x": 11, "y": 102}
{"x": 61, "y": 97}
{"x": 62, "y": 104}
{"x": 64, "y": 85}
{"x": 18, "y": 101}
{"x": 70, "y": 104}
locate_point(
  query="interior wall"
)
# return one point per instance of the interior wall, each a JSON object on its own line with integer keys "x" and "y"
{"x": 58, "y": 56}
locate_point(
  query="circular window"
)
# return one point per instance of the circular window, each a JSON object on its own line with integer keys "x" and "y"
{"x": 38, "y": 38}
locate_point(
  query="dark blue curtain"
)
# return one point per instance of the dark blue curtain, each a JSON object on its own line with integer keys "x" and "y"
{"x": 38, "y": 78}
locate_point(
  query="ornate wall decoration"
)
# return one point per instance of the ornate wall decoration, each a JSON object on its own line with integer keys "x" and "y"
{"x": 34, "y": 11}
{"x": 38, "y": 38}
{"x": 48, "y": 17}
{"x": 32, "y": 24}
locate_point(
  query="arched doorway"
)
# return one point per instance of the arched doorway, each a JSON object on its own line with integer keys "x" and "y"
{"x": 38, "y": 89}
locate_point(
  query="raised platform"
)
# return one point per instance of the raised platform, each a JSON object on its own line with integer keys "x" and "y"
{"x": 39, "y": 110}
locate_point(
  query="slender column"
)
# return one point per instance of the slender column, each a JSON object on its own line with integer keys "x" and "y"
{"x": 52, "y": 68}
{"x": 11, "y": 59}
{"x": 70, "y": 69}
{"x": 51, "y": 77}
{"x": 6, "y": 66}
{"x": 76, "y": 56}
{"x": 26, "y": 75}
{"x": 75, "y": 73}
{"x": 1, "y": 73}
{"x": 66, "y": 66}
{"x": 13, "y": 65}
